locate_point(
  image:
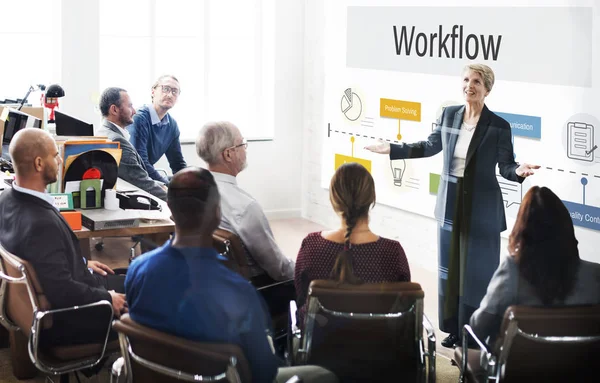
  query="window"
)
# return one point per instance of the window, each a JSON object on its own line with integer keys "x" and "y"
{"x": 30, "y": 38}
{"x": 220, "y": 50}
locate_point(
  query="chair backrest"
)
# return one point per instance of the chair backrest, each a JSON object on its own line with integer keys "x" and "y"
{"x": 364, "y": 332}
{"x": 230, "y": 246}
{"x": 23, "y": 293}
{"x": 548, "y": 343}
{"x": 166, "y": 351}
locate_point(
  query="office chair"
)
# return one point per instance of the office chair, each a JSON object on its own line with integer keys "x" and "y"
{"x": 365, "y": 333}
{"x": 26, "y": 312}
{"x": 154, "y": 356}
{"x": 545, "y": 344}
{"x": 276, "y": 294}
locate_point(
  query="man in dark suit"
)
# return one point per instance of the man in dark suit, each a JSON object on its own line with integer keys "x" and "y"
{"x": 118, "y": 112}
{"x": 32, "y": 228}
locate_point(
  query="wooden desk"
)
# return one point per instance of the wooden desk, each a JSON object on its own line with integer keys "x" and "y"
{"x": 156, "y": 231}
{"x": 160, "y": 227}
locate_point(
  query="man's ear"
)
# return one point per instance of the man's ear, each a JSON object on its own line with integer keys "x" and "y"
{"x": 38, "y": 163}
{"x": 113, "y": 109}
{"x": 226, "y": 155}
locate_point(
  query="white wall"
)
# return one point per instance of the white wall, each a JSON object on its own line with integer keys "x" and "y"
{"x": 274, "y": 167}
{"x": 416, "y": 233}
{"x": 284, "y": 175}
{"x": 79, "y": 58}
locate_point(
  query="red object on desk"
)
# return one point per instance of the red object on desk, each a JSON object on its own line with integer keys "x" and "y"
{"x": 73, "y": 218}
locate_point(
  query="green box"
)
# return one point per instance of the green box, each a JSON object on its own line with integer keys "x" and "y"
{"x": 434, "y": 183}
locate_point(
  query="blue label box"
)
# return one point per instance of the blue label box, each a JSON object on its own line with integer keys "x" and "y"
{"x": 584, "y": 215}
{"x": 523, "y": 126}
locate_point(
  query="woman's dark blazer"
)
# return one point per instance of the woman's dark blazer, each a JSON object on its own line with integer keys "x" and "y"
{"x": 491, "y": 145}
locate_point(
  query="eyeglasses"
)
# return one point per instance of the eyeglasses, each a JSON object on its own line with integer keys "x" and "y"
{"x": 244, "y": 144}
{"x": 167, "y": 89}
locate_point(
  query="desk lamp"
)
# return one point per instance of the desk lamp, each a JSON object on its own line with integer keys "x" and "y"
{"x": 51, "y": 97}
{"x": 32, "y": 88}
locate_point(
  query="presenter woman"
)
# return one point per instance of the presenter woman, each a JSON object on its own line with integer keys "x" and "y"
{"x": 469, "y": 205}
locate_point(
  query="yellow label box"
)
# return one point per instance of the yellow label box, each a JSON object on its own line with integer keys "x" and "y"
{"x": 401, "y": 110}
{"x": 341, "y": 159}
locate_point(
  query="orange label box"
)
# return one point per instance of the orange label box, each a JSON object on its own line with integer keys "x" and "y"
{"x": 73, "y": 218}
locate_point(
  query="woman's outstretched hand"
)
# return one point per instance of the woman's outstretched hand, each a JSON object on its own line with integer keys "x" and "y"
{"x": 526, "y": 170}
{"x": 380, "y": 147}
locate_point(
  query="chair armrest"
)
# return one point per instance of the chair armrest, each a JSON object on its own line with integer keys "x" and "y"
{"x": 430, "y": 354}
{"x": 487, "y": 356}
{"x": 117, "y": 370}
{"x": 162, "y": 172}
{"x": 275, "y": 284}
{"x": 10, "y": 279}
{"x": 292, "y": 332}
{"x": 293, "y": 319}
{"x": 34, "y": 340}
{"x": 4, "y": 319}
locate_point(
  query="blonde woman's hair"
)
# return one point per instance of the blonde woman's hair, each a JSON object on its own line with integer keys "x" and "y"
{"x": 486, "y": 73}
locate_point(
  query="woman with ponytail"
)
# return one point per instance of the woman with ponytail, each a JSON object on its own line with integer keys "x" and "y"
{"x": 351, "y": 253}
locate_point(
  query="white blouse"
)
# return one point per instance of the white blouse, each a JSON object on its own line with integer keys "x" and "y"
{"x": 460, "y": 151}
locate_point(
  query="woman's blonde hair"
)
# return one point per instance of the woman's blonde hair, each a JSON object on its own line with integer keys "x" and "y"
{"x": 486, "y": 73}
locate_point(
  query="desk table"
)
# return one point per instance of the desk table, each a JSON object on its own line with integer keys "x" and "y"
{"x": 156, "y": 231}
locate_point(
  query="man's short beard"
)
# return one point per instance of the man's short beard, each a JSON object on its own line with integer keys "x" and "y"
{"x": 125, "y": 122}
{"x": 50, "y": 179}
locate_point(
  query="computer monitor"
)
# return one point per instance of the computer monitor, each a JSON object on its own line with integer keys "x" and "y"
{"x": 16, "y": 121}
{"x": 70, "y": 126}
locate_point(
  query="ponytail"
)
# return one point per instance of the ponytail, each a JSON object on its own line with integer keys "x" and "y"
{"x": 343, "y": 270}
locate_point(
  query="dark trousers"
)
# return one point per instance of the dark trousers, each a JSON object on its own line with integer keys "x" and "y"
{"x": 453, "y": 241}
{"x": 84, "y": 325}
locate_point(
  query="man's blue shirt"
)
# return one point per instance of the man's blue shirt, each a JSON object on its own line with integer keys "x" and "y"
{"x": 153, "y": 137}
{"x": 189, "y": 293}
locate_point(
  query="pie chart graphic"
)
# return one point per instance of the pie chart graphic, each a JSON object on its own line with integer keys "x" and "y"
{"x": 351, "y": 105}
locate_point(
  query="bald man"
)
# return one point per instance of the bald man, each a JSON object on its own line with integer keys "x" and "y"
{"x": 200, "y": 298}
{"x": 32, "y": 228}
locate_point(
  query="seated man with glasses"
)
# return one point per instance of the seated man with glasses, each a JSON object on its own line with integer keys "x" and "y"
{"x": 221, "y": 146}
{"x": 154, "y": 131}
{"x": 117, "y": 110}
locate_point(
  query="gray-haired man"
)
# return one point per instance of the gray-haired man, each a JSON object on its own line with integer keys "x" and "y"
{"x": 222, "y": 147}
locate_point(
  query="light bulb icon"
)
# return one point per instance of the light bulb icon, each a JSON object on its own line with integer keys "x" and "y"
{"x": 398, "y": 169}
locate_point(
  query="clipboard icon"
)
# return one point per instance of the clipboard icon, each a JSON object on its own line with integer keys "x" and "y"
{"x": 580, "y": 141}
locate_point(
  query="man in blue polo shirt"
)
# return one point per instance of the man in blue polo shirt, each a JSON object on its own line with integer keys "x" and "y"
{"x": 184, "y": 289}
{"x": 154, "y": 131}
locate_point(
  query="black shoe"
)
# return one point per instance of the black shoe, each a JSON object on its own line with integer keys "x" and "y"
{"x": 450, "y": 341}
